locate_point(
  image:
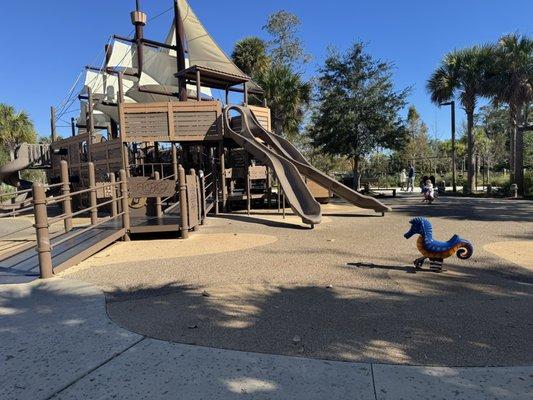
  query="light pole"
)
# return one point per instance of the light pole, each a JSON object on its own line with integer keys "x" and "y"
{"x": 452, "y": 107}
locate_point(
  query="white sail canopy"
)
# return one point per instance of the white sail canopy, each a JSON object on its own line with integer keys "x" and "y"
{"x": 202, "y": 49}
{"x": 158, "y": 68}
{"x": 122, "y": 55}
{"x": 106, "y": 85}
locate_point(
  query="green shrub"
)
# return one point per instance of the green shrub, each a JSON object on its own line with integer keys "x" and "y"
{"x": 528, "y": 183}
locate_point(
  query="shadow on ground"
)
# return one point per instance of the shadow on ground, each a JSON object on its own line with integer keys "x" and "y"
{"x": 460, "y": 318}
{"x": 260, "y": 221}
{"x": 477, "y": 209}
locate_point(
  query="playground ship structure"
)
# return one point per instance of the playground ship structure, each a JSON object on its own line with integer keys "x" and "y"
{"x": 149, "y": 111}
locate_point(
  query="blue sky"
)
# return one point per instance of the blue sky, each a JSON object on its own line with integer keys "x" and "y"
{"x": 46, "y": 43}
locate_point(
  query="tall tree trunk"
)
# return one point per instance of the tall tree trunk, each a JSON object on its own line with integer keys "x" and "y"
{"x": 513, "y": 123}
{"x": 471, "y": 161}
{"x": 356, "y": 175}
{"x": 519, "y": 155}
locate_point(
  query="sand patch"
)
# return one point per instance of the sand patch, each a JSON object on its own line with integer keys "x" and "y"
{"x": 197, "y": 244}
{"x": 518, "y": 252}
{"x": 340, "y": 207}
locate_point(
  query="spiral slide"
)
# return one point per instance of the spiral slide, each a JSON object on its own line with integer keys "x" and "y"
{"x": 287, "y": 150}
{"x": 292, "y": 183}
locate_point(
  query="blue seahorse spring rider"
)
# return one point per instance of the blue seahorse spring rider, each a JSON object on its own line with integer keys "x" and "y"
{"x": 434, "y": 250}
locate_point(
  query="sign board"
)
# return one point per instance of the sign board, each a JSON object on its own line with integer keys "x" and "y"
{"x": 192, "y": 200}
{"x": 142, "y": 186}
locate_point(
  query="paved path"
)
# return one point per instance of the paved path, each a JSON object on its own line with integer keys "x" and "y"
{"x": 56, "y": 342}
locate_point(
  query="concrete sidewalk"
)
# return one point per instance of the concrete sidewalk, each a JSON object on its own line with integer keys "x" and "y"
{"x": 56, "y": 341}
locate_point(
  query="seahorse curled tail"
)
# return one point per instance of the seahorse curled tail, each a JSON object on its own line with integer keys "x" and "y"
{"x": 465, "y": 250}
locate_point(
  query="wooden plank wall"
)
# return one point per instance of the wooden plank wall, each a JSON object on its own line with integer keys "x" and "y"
{"x": 171, "y": 121}
{"x": 107, "y": 157}
{"x": 75, "y": 148}
{"x": 263, "y": 116}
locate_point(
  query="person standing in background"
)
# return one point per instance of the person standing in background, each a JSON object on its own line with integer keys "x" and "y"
{"x": 403, "y": 179}
{"x": 411, "y": 177}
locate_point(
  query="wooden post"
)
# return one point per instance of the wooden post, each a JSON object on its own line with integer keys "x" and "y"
{"x": 158, "y": 204}
{"x": 44, "y": 250}
{"x": 185, "y": 155}
{"x": 198, "y": 86}
{"x": 175, "y": 169}
{"x": 175, "y": 162}
{"x": 65, "y": 191}
{"x": 126, "y": 224}
{"x": 215, "y": 179}
{"x": 245, "y": 87}
{"x": 90, "y": 123}
{"x": 114, "y": 208}
{"x": 183, "y": 203}
{"x": 283, "y": 195}
{"x": 268, "y": 187}
{"x": 247, "y": 181}
{"x": 202, "y": 194}
{"x": 53, "y": 131}
{"x": 194, "y": 178}
{"x": 120, "y": 99}
{"x": 73, "y": 126}
{"x": 222, "y": 176}
{"x": 278, "y": 187}
{"x": 93, "y": 203}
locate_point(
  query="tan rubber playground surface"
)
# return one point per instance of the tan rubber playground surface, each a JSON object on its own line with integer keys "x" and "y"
{"x": 167, "y": 249}
{"x": 518, "y": 252}
{"x": 345, "y": 290}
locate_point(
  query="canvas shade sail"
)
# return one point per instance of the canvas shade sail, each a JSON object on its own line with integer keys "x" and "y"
{"x": 122, "y": 56}
{"x": 202, "y": 50}
{"x": 158, "y": 68}
{"x": 105, "y": 87}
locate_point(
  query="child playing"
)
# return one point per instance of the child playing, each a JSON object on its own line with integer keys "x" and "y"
{"x": 428, "y": 191}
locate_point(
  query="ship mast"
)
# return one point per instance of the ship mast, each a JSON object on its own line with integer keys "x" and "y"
{"x": 180, "y": 50}
{"x": 138, "y": 19}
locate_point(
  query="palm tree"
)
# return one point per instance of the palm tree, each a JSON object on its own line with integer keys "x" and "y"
{"x": 512, "y": 83}
{"x": 463, "y": 74}
{"x": 249, "y": 54}
{"x": 287, "y": 96}
{"x": 15, "y": 128}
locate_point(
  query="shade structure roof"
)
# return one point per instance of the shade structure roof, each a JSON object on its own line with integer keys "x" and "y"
{"x": 214, "y": 78}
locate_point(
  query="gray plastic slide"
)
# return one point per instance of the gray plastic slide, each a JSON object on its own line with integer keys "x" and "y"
{"x": 294, "y": 187}
{"x": 288, "y": 151}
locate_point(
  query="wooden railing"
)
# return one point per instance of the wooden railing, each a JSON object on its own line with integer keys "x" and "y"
{"x": 209, "y": 192}
{"x": 118, "y": 201}
{"x": 194, "y": 194}
{"x": 17, "y": 204}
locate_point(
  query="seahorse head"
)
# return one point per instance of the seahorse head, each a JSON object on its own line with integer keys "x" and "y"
{"x": 420, "y": 226}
